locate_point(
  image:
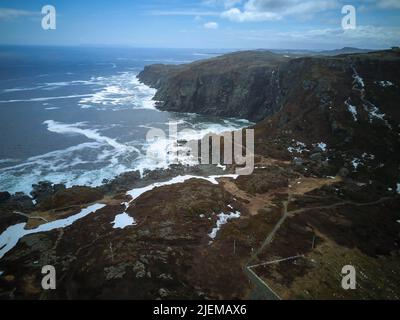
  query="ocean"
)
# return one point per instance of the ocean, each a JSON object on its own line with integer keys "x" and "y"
{"x": 78, "y": 116}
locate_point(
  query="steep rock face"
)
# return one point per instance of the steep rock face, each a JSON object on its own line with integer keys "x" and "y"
{"x": 243, "y": 85}
{"x": 348, "y": 102}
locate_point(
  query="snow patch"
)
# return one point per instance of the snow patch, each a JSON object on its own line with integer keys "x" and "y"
{"x": 10, "y": 237}
{"x": 323, "y": 146}
{"x": 352, "y": 109}
{"x": 299, "y": 147}
{"x": 123, "y": 220}
{"x": 221, "y": 166}
{"x": 356, "y": 163}
{"x": 137, "y": 192}
{"x": 385, "y": 83}
{"x": 223, "y": 218}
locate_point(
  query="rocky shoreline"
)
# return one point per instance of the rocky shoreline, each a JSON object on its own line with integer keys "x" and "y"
{"x": 324, "y": 194}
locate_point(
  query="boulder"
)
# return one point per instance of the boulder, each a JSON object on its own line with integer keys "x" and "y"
{"x": 4, "y": 196}
{"x": 343, "y": 172}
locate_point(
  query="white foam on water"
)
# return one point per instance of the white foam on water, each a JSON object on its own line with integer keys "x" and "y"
{"x": 8, "y": 160}
{"x": 160, "y": 152}
{"x": 123, "y": 90}
{"x": 105, "y": 157}
{"x": 91, "y": 134}
{"x": 45, "y": 98}
{"x": 10, "y": 237}
{"x": 50, "y": 86}
{"x": 123, "y": 220}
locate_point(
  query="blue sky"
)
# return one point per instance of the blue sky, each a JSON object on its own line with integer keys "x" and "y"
{"x": 239, "y": 24}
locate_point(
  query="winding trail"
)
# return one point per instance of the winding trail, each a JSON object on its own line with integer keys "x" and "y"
{"x": 262, "y": 291}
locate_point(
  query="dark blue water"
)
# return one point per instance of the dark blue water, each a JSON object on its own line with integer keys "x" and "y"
{"x": 79, "y": 115}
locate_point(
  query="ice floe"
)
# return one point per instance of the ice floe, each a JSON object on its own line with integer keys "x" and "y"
{"x": 10, "y": 237}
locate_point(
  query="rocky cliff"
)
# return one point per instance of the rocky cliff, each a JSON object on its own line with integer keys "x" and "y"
{"x": 243, "y": 85}
{"x": 348, "y": 102}
{"x": 325, "y": 193}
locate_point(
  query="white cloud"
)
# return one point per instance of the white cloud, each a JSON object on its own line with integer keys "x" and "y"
{"x": 225, "y": 3}
{"x": 366, "y": 36}
{"x": 8, "y": 13}
{"x": 389, "y": 4}
{"x": 268, "y": 10}
{"x": 195, "y": 13}
{"x": 237, "y": 15}
{"x": 211, "y": 25}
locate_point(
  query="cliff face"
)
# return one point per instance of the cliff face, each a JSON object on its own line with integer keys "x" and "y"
{"x": 349, "y": 102}
{"x": 243, "y": 85}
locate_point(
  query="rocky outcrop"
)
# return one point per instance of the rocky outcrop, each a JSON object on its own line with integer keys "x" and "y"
{"x": 347, "y": 101}
{"x": 243, "y": 85}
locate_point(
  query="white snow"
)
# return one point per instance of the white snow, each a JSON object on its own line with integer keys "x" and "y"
{"x": 299, "y": 147}
{"x": 356, "y": 163}
{"x": 357, "y": 79}
{"x": 123, "y": 220}
{"x": 352, "y": 109}
{"x": 10, "y": 237}
{"x": 223, "y": 218}
{"x": 367, "y": 156}
{"x": 374, "y": 112}
{"x": 398, "y": 188}
{"x": 385, "y": 83}
{"x": 135, "y": 193}
{"x": 221, "y": 166}
{"x": 322, "y": 146}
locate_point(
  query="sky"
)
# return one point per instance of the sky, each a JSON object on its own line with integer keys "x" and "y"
{"x": 231, "y": 24}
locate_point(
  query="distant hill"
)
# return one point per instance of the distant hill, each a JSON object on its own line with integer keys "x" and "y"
{"x": 345, "y": 50}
